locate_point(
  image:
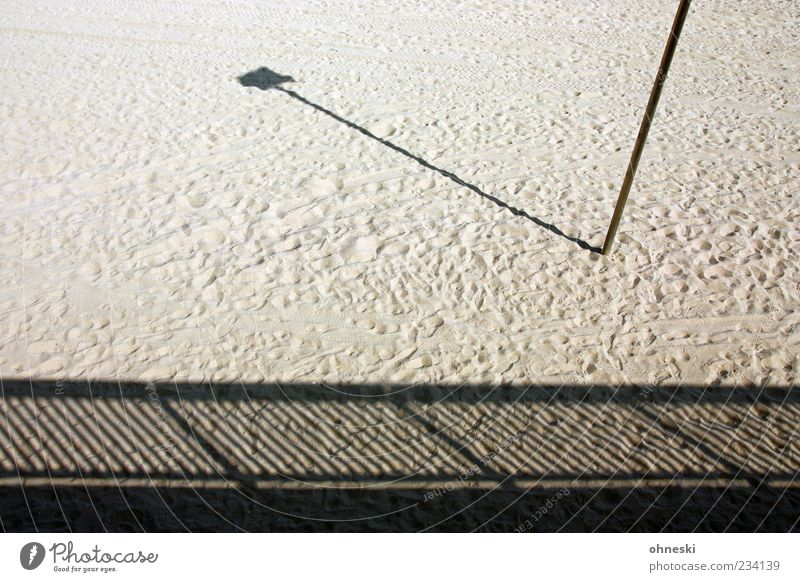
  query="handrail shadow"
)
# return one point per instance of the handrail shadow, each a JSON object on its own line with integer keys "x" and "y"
{"x": 311, "y": 457}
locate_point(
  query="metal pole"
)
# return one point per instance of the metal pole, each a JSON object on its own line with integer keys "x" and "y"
{"x": 649, "y": 112}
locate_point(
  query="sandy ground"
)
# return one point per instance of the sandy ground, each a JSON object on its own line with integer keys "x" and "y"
{"x": 398, "y": 195}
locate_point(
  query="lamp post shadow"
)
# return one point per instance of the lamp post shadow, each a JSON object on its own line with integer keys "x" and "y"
{"x": 265, "y": 79}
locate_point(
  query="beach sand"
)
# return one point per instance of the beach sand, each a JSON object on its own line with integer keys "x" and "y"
{"x": 403, "y": 204}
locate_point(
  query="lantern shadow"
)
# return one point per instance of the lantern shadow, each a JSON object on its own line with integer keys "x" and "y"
{"x": 265, "y": 79}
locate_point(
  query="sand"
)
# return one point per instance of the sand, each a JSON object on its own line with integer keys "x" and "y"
{"x": 405, "y": 197}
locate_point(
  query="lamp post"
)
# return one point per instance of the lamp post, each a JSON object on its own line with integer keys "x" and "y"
{"x": 644, "y": 128}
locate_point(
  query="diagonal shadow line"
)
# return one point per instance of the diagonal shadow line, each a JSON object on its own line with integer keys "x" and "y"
{"x": 698, "y": 445}
{"x": 449, "y": 175}
{"x": 228, "y": 469}
{"x": 265, "y": 79}
{"x": 459, "y": 449}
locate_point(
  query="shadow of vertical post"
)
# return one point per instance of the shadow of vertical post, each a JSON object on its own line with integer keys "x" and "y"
{"x": 266, "y": 79}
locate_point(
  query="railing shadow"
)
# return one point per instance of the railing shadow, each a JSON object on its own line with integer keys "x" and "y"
{"x": 128, "y": 456}
{"x": 266, "y": 79}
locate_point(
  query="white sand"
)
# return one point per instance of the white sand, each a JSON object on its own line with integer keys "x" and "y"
{"x": 160, "y": 220}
